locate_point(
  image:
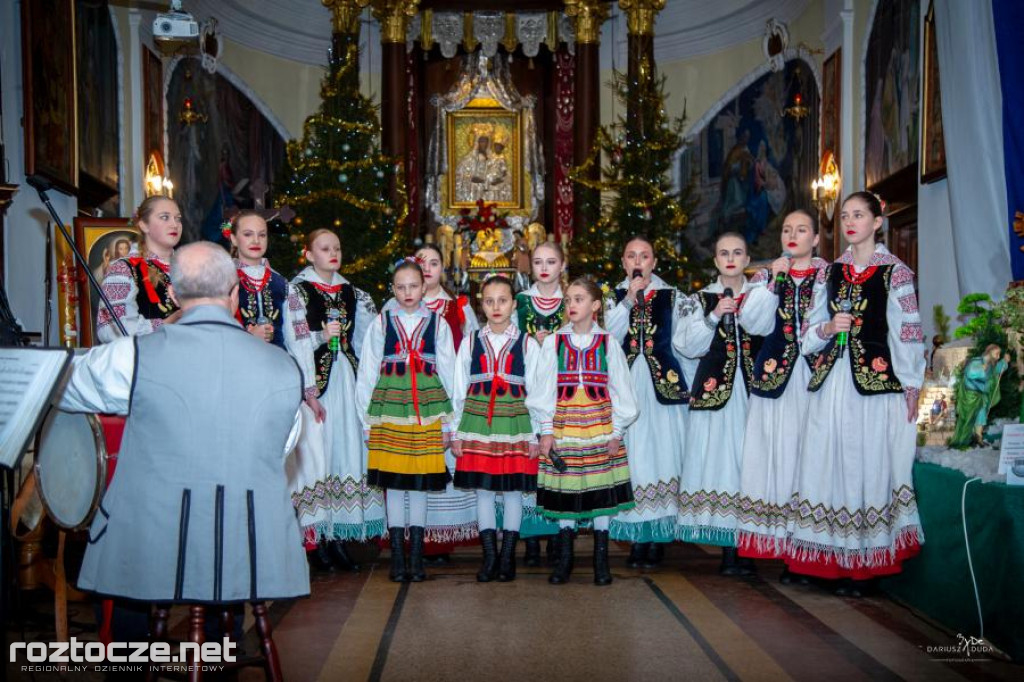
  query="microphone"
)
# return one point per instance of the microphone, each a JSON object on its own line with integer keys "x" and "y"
{"x": 334, "y": 345}
{"x": 557, "y": 462}
{"x": 781, "y": 277}
{"x": 39, "y": 183}
{"x": 842, "y": 337}
{"x": 728, "y": 318}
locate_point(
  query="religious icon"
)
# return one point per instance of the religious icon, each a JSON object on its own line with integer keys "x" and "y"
{"x": 484, "y": 151}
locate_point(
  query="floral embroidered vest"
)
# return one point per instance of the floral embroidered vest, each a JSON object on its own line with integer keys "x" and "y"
{"x": 868, "y": 342}
{"x": 317, "y": 304}
{"x": 268, "y": 297}
{"x": 531, "y": 321}
{"x": 154, "y": 301}
{"x": 716, "y": 373}
{"x": 650, "y": 335}
{"x": 583, "y": 368}
{"x": 780, "y": 350}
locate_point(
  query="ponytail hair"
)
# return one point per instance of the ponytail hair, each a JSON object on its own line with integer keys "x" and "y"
{"x": 142, "y": 214}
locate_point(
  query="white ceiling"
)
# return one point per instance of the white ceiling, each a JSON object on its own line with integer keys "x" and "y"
{"x": 300, "y": 29}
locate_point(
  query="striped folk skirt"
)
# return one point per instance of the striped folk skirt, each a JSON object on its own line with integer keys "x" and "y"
{"x": 495, "y": 456}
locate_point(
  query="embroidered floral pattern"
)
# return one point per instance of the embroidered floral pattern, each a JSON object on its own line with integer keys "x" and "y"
{"x": 908, "y": 303}
{"x": 845, "y": 522}
{"x": 776, "y": 370}
{"x": 642, "y": 328}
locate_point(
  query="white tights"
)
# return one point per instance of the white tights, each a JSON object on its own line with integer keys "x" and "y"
{"x": 600, "y": 523}
{"x": 487, "y": 517}
{"x": 396, "y": 508}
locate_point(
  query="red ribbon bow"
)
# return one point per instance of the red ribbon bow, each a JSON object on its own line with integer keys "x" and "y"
{"x": 416, "y": 365}
{"x": 497, "y": 382}
{"x": 143, "y": 266}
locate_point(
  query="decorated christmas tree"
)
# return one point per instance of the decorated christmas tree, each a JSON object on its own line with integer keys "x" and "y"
{"x": 634, "y": 194}
{"x": 335, "y": 177}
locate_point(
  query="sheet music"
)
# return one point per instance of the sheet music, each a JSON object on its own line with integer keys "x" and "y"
{"x": 28, "y": 379}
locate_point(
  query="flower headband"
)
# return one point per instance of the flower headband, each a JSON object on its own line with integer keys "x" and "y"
{"x": 408, "y": 259}
{"x": 225, "y": 229}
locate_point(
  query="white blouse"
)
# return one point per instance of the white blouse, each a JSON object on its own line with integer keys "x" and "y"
{"x": 542, "y": 401}
{"x": 373, "y": 353}
{"x": 756, "y": 315}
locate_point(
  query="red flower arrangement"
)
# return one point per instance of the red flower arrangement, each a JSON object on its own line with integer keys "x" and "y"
{"x": 485, "y": 217}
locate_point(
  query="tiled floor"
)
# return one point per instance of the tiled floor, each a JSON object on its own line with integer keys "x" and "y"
{"x": 680, "y": 621}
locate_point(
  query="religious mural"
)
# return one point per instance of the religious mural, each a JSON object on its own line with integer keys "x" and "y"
{"x": 750, "y": 165}
{"x": 892, "y": 90}
{"x": 226, "y": 161}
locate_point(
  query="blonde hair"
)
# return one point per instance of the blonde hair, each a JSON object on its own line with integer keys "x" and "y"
{"x": 563, "y": 280}
{"x": 316, "y": 234}
{"x": 142, "y": 214}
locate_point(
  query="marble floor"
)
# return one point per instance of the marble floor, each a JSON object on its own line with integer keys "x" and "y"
{"x": 679, "y": 621}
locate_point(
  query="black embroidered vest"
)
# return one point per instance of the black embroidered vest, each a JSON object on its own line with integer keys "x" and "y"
{"x": 317, "y": 304}
{"x": 509, "y": 364}
{"x": 531, "y": 321}
{"x": 398, "y": 346}
{"x": 868, "y": 345}
{"x": 163, "y": 306}
{"x": 716, "y": 373}
{"x": 780, "y": 350}
{"x": 650, "y": 335}
{"x": 271, "y": 298}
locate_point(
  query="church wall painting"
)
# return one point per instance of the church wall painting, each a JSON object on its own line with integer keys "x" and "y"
{"x": 224, "y": 163}
{"x": 750, "y": 165}
{"x": 891, "y": 87}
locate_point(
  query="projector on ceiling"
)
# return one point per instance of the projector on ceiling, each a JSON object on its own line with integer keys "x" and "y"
{"x": 175, "y": 25}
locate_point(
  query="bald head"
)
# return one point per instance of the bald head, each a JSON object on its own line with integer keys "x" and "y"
{"x": 203, "y": 272}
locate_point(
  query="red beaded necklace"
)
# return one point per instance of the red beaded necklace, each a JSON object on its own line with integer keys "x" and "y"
{"x": 799, "y": 274}
{"x": 854, "y": 277}
{"x": 546, "y": 304}
{"x": 250, "y": 284}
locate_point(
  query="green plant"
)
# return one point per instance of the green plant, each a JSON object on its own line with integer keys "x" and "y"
{"x": 941, "y": 320}
{"x": 988, "y": 324}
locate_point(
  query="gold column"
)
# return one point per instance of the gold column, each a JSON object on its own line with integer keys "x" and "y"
{"x": 394, "y": 16}
{"x": 345, "y": 14}
{"x": 589, "y": 15}
{"x": 640, "y": 15}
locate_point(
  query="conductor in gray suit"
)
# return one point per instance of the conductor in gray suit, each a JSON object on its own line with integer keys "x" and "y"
{"x": 199, "y": 509}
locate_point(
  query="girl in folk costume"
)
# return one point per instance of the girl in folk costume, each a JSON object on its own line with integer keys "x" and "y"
{"x": 327, "y": 319}
{"x": 856, "y": 512}
{"x": 402, "y": 395}
{"x": 262, "y": 291}
{"x": 138, "y": 286}
{"x": 584, "y": 401}
{"x": 451, "y": 516}
{"x": 540, "y": 310}
{"x": 777, "y": 409}
{"x": 646, "y": 320}
{"x": 494, "y": 444}
{"x": 723, "y": 331}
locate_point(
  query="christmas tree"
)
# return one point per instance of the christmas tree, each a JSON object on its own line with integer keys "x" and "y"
{"x": 634, "y": 195}
{"x": 335, "y": 177}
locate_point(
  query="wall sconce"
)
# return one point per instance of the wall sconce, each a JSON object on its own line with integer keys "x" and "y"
{"x": 156, "y": 182}
{"x": 798, "y": 110}
{"x": 826, "y": 187}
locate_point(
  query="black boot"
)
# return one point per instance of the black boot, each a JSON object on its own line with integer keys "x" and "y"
{"x": 416, "y": 572}
{"x": 637, "y": 554}
{"x": 397, "y": 573}
{"x": 655, "y": 553}
{"x": 552, "y": 550}
{"x": 532, "y": 556}
{"x": 602, "y": 576}
{"x": 564, "y": 560}
{"x": 507, "y": 571}
{"x": 489, "y": 568}
{"x": 339, "y": 557}
{"x": 319, "y": 561}
{"x": 730, "y": 562}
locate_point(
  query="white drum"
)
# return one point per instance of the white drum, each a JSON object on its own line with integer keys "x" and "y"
{"x": 71, "y": 467}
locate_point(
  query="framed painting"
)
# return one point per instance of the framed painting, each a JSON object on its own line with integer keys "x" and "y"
{"x": 101, "y": 241}
{"x": 933, "y": 142}
{"x": 484, "y": 147}
{"x": 50, "y": 99}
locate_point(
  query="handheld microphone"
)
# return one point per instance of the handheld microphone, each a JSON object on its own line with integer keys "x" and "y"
{"x": 781, "y": 277}
{"x": 843, "y": 337}
{"x": 334, "y": 345}
{"x": 557, "y": 462}
{"x": 728, "y": 318}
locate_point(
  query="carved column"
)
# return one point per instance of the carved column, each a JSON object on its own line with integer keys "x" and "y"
{"x": 640, "y": 66}
{"x": 393, "y": 16}
{"x": 589, "y": 15}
